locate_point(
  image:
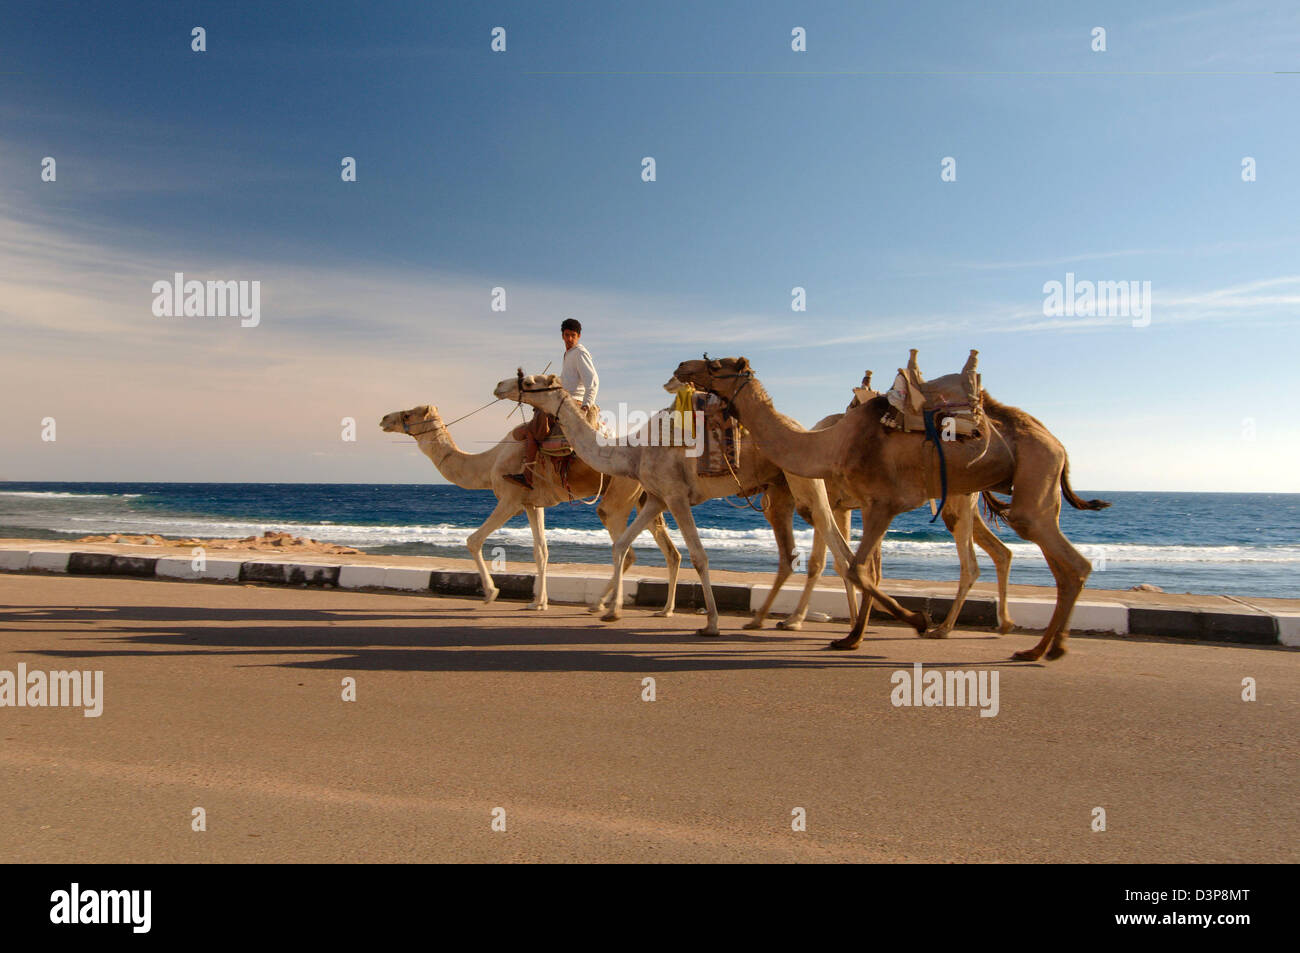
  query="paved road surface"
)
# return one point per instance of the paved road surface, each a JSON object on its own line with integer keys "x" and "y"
{"x": 229, "y": 698}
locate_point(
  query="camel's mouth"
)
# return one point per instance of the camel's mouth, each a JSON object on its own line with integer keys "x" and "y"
{"x": 506, "y": 390}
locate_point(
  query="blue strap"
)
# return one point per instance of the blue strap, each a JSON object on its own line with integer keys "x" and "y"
{"x": 932, "y": 433}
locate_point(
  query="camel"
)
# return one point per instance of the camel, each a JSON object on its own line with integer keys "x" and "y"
{"x": 778, "y": 508}
{"x": 487, "y": 470}
{"x": 960, "y": 515}
{"x": 895, "y": 472}
{"x": 670, "y": 481}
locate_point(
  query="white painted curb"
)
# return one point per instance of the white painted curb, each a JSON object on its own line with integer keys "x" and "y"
{"x": 182, "y": 567}
{"x": 406, "y": 578}
{"x": 14, "y": 560}
{"x": 49, "y": 560}
{"x": 1288, "y": 628}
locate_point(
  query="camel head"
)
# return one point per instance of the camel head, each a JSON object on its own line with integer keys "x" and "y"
{"x": 401, "y": 421}
{"x": 540, "y": 390}
{"x": 723, "y": 377}
{"x": 673, "y": 385}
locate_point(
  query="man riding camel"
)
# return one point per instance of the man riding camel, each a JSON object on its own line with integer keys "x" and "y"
{"x": 579, "y": 378}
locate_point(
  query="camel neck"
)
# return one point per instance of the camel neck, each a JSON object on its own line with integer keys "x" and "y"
{"x": 588, "y": 444}
{"x": 470, "y": 471}
{"x": 806, "y": 453}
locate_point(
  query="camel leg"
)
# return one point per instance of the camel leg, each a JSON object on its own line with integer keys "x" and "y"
{"x": 1000, "y": 553}
{"x": 616, "y": 516}
{"x": 779, "y": 513}
{"x": 1068, "y": 565}
{"x": 506, "y": 509}
{"x": 816, "y": 566}
{"x": 959, "y": 518}
{"x": 681, "y": 511}
{"x": 844, "y": 520}
{"x": 613, "y": 512}
{"x": 537, "y": 522}
{"x": 674, "y": 559}
{"x": 653, "y": 507}
{"x": 875, "y": 521}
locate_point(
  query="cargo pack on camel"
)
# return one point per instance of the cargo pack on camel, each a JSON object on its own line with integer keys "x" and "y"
{"x": 720, "y": 433}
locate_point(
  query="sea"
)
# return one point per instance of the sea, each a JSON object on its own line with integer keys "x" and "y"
{"x": 1240, "y": 544}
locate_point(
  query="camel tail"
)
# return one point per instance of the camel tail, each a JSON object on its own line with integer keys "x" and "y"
{"x": 995, "y": 509}
{"x": 1073, "y": 498}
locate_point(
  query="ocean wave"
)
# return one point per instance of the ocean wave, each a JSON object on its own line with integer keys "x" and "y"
{"x": 51, "y": 494}
{"x": 757, "y": 541}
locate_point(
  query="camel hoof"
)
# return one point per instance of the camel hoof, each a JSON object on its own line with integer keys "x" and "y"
{"x": 663, "y": 614}
{"x": 939, "y": 633}
{"x": 790, "y": 625}
{"x": 534, "y": 607}
{"x": 845, "y": 644}
{"x": 611, "y": 617}
{"x": 1006, "y": 627}
{"x": 491, "y": 597}
{"x": 707, "y": 632}
{"x": 753, "y": 624}
{"x": 921, "y": 622}
{"x": 1055, "y": 652}
{"x": 1029, "y": 655}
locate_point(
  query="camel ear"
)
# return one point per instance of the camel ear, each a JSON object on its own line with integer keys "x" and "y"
{"x": 742, "y": 364}
{"x": 552, "y": 379}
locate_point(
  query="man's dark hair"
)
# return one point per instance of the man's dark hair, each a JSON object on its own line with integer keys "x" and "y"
{"x": 571, "y": 324}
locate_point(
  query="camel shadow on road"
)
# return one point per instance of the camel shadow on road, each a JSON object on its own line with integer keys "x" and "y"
{"x": 451, "y": 639}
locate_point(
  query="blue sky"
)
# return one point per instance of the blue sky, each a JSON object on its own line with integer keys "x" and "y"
{"x": 521, "y": 169}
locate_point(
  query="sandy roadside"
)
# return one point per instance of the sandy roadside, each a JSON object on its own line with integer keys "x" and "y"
{"x": 986, "y": 587}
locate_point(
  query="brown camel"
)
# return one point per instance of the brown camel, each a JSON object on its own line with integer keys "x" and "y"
{"x": 960, "y": 515}
{"x": 488, "y": 470}
{"x": 896, "y": 472}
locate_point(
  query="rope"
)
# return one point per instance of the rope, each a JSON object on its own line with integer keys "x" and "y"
{"x": 600, "y": 492}
{"x": 740, "y": 487}
{"x": 473, "y": 412}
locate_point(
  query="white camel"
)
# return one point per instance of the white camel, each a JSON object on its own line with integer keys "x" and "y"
{"x": 670, "y": 479}
{"x": 488, "y": 470}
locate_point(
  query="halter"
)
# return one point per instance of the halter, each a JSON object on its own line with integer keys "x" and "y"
{"x": 407, "y": 428}
{"x": 519, "y": 377}
{"x": 747, "y": 376}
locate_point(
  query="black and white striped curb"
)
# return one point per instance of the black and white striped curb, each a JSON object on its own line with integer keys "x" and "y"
{"x": 1246, "y": 624}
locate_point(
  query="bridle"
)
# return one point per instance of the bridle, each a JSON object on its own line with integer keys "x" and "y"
{"x": 432, "y": 423}
{"x": 532, "y": 390}
{"x": 746, "y": 376}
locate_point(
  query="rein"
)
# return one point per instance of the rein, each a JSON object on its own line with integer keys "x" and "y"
{"x": 409, "y": 429}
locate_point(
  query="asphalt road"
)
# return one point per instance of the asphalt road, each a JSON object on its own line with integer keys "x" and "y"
{"x": 229, "y": 698}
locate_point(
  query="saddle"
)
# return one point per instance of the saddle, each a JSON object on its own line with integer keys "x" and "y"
{"x": 557, "y": 449}
{"x": 557, "y": 442}
{"x": 956, "y": 397}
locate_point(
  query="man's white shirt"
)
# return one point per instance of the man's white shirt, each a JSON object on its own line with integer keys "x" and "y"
{"x": 579, "y": 376}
